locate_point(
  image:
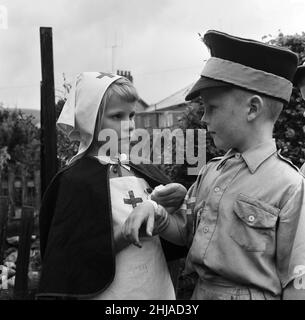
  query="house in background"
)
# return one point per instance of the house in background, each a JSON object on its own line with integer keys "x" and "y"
{"x": 141, "y": 106}
{"x": 16, "y": 183}
{"x": 166, "y": 113}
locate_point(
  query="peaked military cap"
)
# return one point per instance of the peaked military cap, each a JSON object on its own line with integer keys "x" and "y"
{"x": 248, "y": 64}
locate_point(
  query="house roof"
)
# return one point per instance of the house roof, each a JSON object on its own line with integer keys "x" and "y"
{"x": 143, "y": 103}
{"x": 173, "y": 100}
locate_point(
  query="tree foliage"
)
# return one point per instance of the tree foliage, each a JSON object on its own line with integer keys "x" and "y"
{"x": 295, "y": 43}
{"x": 19, "y": 139}
{"x": 290, "y": 127}
{"x": 65, "y": 148}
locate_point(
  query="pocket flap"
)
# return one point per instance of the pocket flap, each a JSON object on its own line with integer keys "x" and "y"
{"x": 255, "y": 213}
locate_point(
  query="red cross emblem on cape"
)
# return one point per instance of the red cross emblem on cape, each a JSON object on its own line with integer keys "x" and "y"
{"x": 132, "y": 199}
{"x": 102, "y": 75}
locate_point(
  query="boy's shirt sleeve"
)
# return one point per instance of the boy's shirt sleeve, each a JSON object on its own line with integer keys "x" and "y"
{"x": 183, "y": 222}
{"x": 290, "y": 254}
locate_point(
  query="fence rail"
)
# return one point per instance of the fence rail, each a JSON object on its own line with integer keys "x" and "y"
{"x": 4, "y": 204}
{"x": 24, "y": 249}
{"x": 24, "y": 231}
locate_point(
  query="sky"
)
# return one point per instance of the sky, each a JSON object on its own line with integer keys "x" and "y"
{"x": 157, "y": 40}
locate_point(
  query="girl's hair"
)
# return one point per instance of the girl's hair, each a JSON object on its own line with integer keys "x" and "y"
{"x": 122, "y": 88}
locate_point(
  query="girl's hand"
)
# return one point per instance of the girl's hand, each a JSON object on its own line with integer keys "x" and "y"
{"x": 139, "y": 223}
{"x": 145, "y": 220}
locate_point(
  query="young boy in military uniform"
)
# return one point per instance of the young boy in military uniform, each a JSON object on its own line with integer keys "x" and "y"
{"x": 244, "y": 217}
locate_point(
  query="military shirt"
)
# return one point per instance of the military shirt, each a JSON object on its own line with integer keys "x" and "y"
{"x": 244, "y": 219}
{"x": 303, "y": 169}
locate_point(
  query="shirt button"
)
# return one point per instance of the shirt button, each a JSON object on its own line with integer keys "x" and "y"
{"x": 251, "y": 218}
{"x": 149, "y": 190}
{"x": 217, "y": 189}
{"x": 123, "y": 157}
{"x": 206, "y": 229}
{"x": 237, "y": 155}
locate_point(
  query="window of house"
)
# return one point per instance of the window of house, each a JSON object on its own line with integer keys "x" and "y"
{"x": 147, "y": 122}
{"x": 4, "y": 191}
{"x": 166, "y": 120}
{"x": 18, "y": 196}
{"x": 169, "y": 120}
{"x": 31, "y": 194}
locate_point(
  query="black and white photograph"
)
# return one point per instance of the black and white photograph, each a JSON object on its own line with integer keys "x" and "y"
{"x": 152, "y": 151}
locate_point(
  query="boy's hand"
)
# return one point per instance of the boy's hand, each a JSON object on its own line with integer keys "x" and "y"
{"x": 170, "y": 196}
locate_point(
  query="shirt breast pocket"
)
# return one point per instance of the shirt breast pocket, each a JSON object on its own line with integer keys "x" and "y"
{"x": 254, "y": 223}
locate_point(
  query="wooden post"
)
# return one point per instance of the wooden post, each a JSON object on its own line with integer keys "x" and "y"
{"x": 48, "y": 160}
{"x": 37, "y": 182}
{"x": 24, "y": 187}
{"x": 11, "y": 188}
{"x": 3, "y": 225}
{"x": 24, "y": 249}
{"x": 1, "y": 187}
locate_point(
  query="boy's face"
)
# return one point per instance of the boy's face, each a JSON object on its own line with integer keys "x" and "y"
{"x": 225, "y": 117}
{"x": 117, "y": 112}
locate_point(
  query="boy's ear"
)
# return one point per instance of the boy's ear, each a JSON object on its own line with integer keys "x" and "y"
{"x": 255, "y": 106}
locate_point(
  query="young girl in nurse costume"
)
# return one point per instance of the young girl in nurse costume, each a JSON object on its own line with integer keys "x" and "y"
{"x": 84, "y": 254}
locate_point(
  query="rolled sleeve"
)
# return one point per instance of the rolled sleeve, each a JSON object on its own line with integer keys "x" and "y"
{"x": 181, "y": 225}
{"x": 291, "y": 236}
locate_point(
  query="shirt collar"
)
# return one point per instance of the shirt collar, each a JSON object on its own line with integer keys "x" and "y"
{"x": 121, "y": 159}
{"x": 255, "y": 156}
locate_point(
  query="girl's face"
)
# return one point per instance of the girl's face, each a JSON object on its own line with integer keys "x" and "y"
{"x": 119, "y": 116}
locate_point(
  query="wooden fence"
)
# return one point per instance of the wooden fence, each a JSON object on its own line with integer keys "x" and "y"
{"x": 3, "y": 225}
{"x": 25, "y": 231}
